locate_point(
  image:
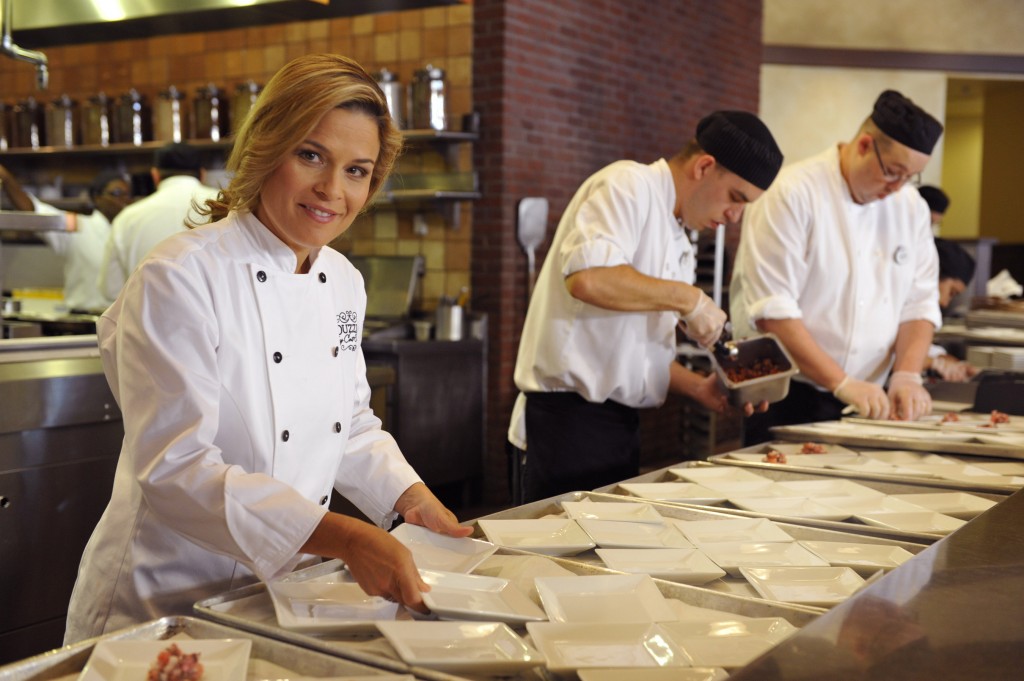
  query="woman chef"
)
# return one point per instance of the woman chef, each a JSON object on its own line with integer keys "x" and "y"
{"x": 234, "y": 354}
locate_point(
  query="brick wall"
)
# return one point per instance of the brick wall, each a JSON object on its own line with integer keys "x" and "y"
{"x": 563, "y": 89}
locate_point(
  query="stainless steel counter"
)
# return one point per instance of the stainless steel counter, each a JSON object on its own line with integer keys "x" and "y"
{"x": 953, "y": 612}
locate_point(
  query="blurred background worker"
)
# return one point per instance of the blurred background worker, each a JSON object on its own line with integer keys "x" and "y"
{"x": 178, "y": 174}
{"x": 956, "y": 269}
{"x": 938, "y": 204}
{"x": 83, "y": 248}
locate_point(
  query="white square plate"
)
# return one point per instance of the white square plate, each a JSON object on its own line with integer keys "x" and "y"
{"x": 433, "y": 551}
{"x": 796, "y": 449}
{"x": 625, "y": 599}
{"x": 901, "y": 457}
{"x": 926, "y": 522}
{"x": 568, "y": 647}
{"x": 829, "y": 488}
{"x": 728, "y": 644}
{"x": 705, "y": 474}
{"x": 879, "y": 504}
{"x": 795, "y": 507}
{"x": 550, "y": 536}
{"x": 732, "y": 530}
{"x": 682, "y": 492}
{"x": 317, "y": 606}
{"x": 222, "y": 659}
{"x": 477, "y": 647}
{"x": 818, "y": 586}
{"x": 620, "y": 534}
{"x": 655, "y": 674}
{"x": 732, "y": 557}
{"x": 956, "y": 504}
{"x": 686, "y": 566}
{"x": 457, "y": 596}
{"x": 866, "y": 559}
{"x": 627, "y": 511}
{"x": 1002, "y": 467}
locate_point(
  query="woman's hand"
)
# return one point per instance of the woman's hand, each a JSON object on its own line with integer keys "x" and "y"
{"x": 419, "y": 506}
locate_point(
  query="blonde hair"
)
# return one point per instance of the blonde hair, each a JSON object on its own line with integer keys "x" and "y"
{"x": 287, "y": 110}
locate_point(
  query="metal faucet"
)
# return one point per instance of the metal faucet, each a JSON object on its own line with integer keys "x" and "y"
{"x": 8, "y": 47}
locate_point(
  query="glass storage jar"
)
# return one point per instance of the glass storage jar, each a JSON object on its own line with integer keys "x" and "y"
{"x": 28, "y": 130}
{"x": 169, "y": 116}
{"x": 210, "y": 113}
{"x": 96, "y": 123}
{"x": 62, "y": 122}
{"x": 132, "y": 119}
{"x": 244, "y": 98}
{"x": 429, "y": 108}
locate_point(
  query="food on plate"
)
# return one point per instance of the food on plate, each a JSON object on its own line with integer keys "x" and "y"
{"x": 999, "y": 417}
{"x": 813, "y": 448}
{"x": 172, "y": 664}
{"x": 949, "y": 417}
{"x": 774, "y": 456}
{"x": 762, "y": 367}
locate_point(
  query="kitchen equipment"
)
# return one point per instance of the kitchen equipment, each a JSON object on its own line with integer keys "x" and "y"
{"x": 390, "y": 283}
{"x": 132, "y": 122}
{"x": 5, "y": 126}
{"x": 751, "y": 352}
{"x": 429, "y": 107}
{"x": 169, "y": 116}
{"x": 244, "y": 98}
{"x": 96, "y": 120}
{"x": 62, "y": 122}
{"x": 531, "y": 228}
{"x": 725, "y": 348}
{"x": 28, "y": 130}
{"x": 392, "y": 90}
{"x": 210, "y": 109}
{"x": 449, "y": 319}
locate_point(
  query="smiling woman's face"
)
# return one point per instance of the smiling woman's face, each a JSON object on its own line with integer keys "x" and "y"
{"x": 320, "y": 187}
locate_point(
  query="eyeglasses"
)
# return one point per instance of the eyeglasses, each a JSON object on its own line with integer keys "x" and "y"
{"x": 116, "y": 193}
{"x": 891, "y": 177}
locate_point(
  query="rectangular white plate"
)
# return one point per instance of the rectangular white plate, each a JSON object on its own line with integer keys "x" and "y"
{"x": 956, "y": 504}
{"x": 568, "y": 647}
{"x": 318, "y": 606}
{"x": 686, "y": 566}
{"x": 732, "y": 530}
{"x": 866, "y": 559}
{"x": 705, "y": 474}
{"x": 433, "y": 551}
{"x": 803, "y": 460}
{"x": 728, "y": 644}
{"x": 796, "y": 449}
{"x": 732, "y": 557}
{"x": 1002, "y": 467}
{"x": 603, "y": 598}
{"x": 880, "y": 504}
{"x": 629, "y": 511}
{"x": 829, "y": 488}
{"x": 222, "y": 659}
{"x": 620, "y": 534}
{"x": 818, "y": 586}
{"x": 926, "y": 522}
{"x": 655, "y": 674}
{"x": 683, "y": 492}
{"x": 795, "y": 507}
{"x": 474, "y": 597}
{"x": 484, "y": 647}
{"x": 550, "y": 536}
{"x": 902, "y": 457}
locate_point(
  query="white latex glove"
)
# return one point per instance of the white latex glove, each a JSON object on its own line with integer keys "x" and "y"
{"x": 949, "y": 368}
{"x": 705, "y": 321}
{"x": 910, "y": 401}
{"x": 868, "y": 399}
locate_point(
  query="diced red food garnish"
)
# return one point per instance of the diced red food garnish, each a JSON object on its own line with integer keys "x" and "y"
{"x": 813, "y": 448}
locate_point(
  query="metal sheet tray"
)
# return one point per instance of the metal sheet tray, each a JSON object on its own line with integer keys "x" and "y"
{"x": 848, "y": 528}
{"x": 821, "y": 432}
{"x": 70, "y": 660}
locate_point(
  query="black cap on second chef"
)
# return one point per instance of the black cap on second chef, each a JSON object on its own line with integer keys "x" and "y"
{"x": 741, "y": 143}
{"x": 907, "y": 123}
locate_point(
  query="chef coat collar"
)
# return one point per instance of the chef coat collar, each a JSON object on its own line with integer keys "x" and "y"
{"x": 267, "y": 242}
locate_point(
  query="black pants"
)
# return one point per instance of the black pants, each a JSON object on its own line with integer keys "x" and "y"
{"x": 803, "y": 404}
{"x": 576, "y": 445}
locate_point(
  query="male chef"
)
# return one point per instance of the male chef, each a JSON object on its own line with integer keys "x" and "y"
{"x": 838, "y": 260}
{"x": 599, "y": 342}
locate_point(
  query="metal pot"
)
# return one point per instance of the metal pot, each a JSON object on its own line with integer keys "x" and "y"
{"x": 429, "y": 107}
{"x": 392, "y": 90}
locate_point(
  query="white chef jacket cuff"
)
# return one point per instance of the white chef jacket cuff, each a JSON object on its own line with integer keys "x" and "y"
{"x": 596, "y": 253}
{"x": 269, "y": 567}
{"x": 775, "y": 307}
{"x": 924, "y": 312}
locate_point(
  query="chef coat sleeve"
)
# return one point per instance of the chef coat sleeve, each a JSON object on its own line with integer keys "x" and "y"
{"x": 606, "y": 228}
{"x": 373, "y": 472}
{"x": 161, "y": 361}
{"x": 775, "y": 233}
{"x": 112, "y": 276}
{"x": 59, "y": 241}
{"x": 922, "y": 301}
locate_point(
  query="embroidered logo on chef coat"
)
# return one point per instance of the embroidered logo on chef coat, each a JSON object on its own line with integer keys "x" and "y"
{"x": 348, "y": 330}
{"x": 900, "y": 255}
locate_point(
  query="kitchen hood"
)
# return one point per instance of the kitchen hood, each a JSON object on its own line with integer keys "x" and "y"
{"x": 46, "y": 23}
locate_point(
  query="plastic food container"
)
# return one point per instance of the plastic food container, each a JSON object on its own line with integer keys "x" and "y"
{"x": 772, "y": 387}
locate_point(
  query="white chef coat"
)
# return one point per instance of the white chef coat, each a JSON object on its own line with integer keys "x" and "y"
{"x": 853, "y": 273}
{"x": 82, "y": 251}
{"x": 245, "y": 400}
{"x": 621, "y": 215}
{"x": 142, "y": 225}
